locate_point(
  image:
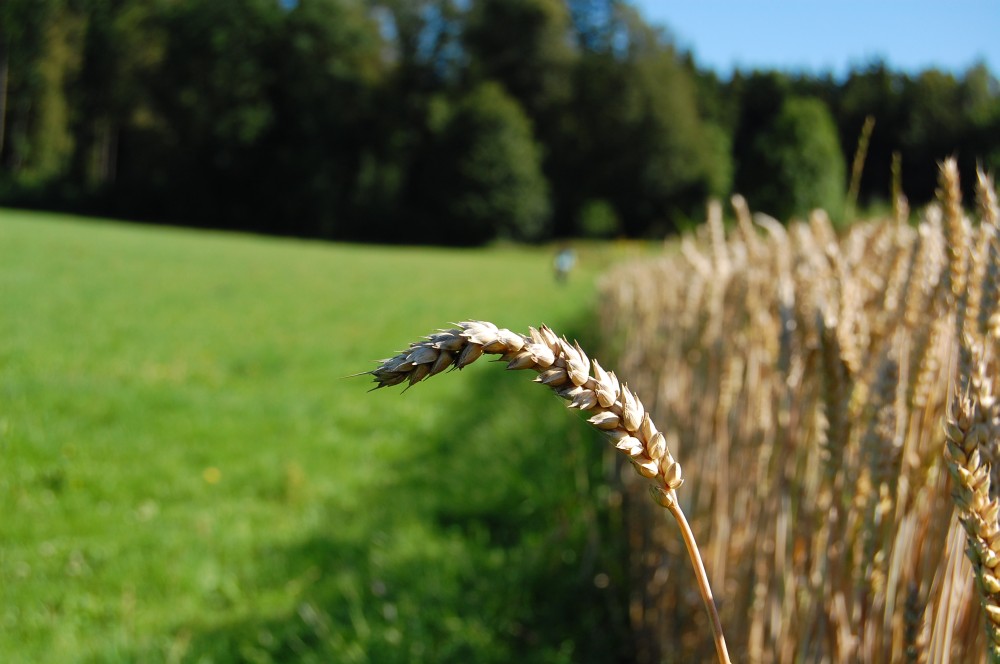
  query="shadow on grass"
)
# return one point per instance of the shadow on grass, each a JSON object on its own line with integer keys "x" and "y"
{"x": 490, "y": 541}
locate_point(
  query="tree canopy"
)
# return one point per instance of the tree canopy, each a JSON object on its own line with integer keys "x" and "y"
{"x": 483, "y": 119}
{"x": 800, "y": 161}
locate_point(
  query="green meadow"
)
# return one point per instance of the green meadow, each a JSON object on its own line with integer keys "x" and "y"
{"x": 188, "y": 474}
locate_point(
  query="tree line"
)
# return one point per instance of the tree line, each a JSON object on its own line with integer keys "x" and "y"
{"x": 441, "y": 121}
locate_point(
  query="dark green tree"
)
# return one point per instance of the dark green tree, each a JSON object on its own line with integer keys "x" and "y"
{"x": 980, "y": 99}
{"x": 947, "y": 116}
{"x": 931, "y": 128}
{"x": 424, "y": 65}
{"x": 423, "y": 40}
{"x": 641, "y": 143}
{"x": 212, "y": 104}
{"x": 327, "y": 73}
{"x": 758, "y": 98}
{"x": 525, "y": 45}
{"x": 121, "y": 50}
{"x": 482, "y": 180}
{"x": 40, "y": 47}
{"x": 529, "y": 47}
{"x": 800, "y": 157}
{"x": 22, "y": 41}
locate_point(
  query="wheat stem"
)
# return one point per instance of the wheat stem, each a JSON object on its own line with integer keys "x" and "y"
{"x": 858, "y": 166}
{"x": 702, "y": 576}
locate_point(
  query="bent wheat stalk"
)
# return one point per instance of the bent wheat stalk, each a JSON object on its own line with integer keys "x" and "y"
{"x": 613, "y": 408}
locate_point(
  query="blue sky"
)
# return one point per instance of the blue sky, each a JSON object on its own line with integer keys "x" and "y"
{"x": 817, "y": 36}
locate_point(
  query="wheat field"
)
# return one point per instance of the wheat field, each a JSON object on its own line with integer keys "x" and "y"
{"x": 831, "y": 397}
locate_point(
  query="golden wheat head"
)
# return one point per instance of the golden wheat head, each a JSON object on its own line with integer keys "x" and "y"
{"x": 561, "y": 366}
{"x": 971, "y": 434}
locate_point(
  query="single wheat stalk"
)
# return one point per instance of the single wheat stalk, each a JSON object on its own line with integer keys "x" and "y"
{"x": 970, "y": 429}
{"x": 563, "y": 367}
{"x": 858, "y": 166}
{"x": 900, "y": 206}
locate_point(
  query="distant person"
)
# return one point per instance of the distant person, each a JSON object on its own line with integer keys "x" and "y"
{"x": 564, "y": 261}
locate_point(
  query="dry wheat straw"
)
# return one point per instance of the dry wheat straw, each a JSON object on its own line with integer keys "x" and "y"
{"x": 858, "y": 165}
{"x": 810, "y": 373}
{"x": 613, "y": 408}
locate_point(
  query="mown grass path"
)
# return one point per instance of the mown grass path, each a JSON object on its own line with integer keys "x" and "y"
{"x": 187, "y": 476}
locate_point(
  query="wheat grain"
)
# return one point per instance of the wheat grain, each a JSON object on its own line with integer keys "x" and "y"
{"x": 613, "y": 408}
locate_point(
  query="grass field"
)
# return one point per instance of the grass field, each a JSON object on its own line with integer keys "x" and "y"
{"x": 187, "y": 476}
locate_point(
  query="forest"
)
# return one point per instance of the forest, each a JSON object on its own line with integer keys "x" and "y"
{"x": 454, "y": 122}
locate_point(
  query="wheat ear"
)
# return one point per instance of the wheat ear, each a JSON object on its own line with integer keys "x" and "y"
{"x": 563, "y": 367}
{"x": 970, "y": 429}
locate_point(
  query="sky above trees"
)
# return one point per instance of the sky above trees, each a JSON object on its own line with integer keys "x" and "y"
{"x": 818, "y": 37}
